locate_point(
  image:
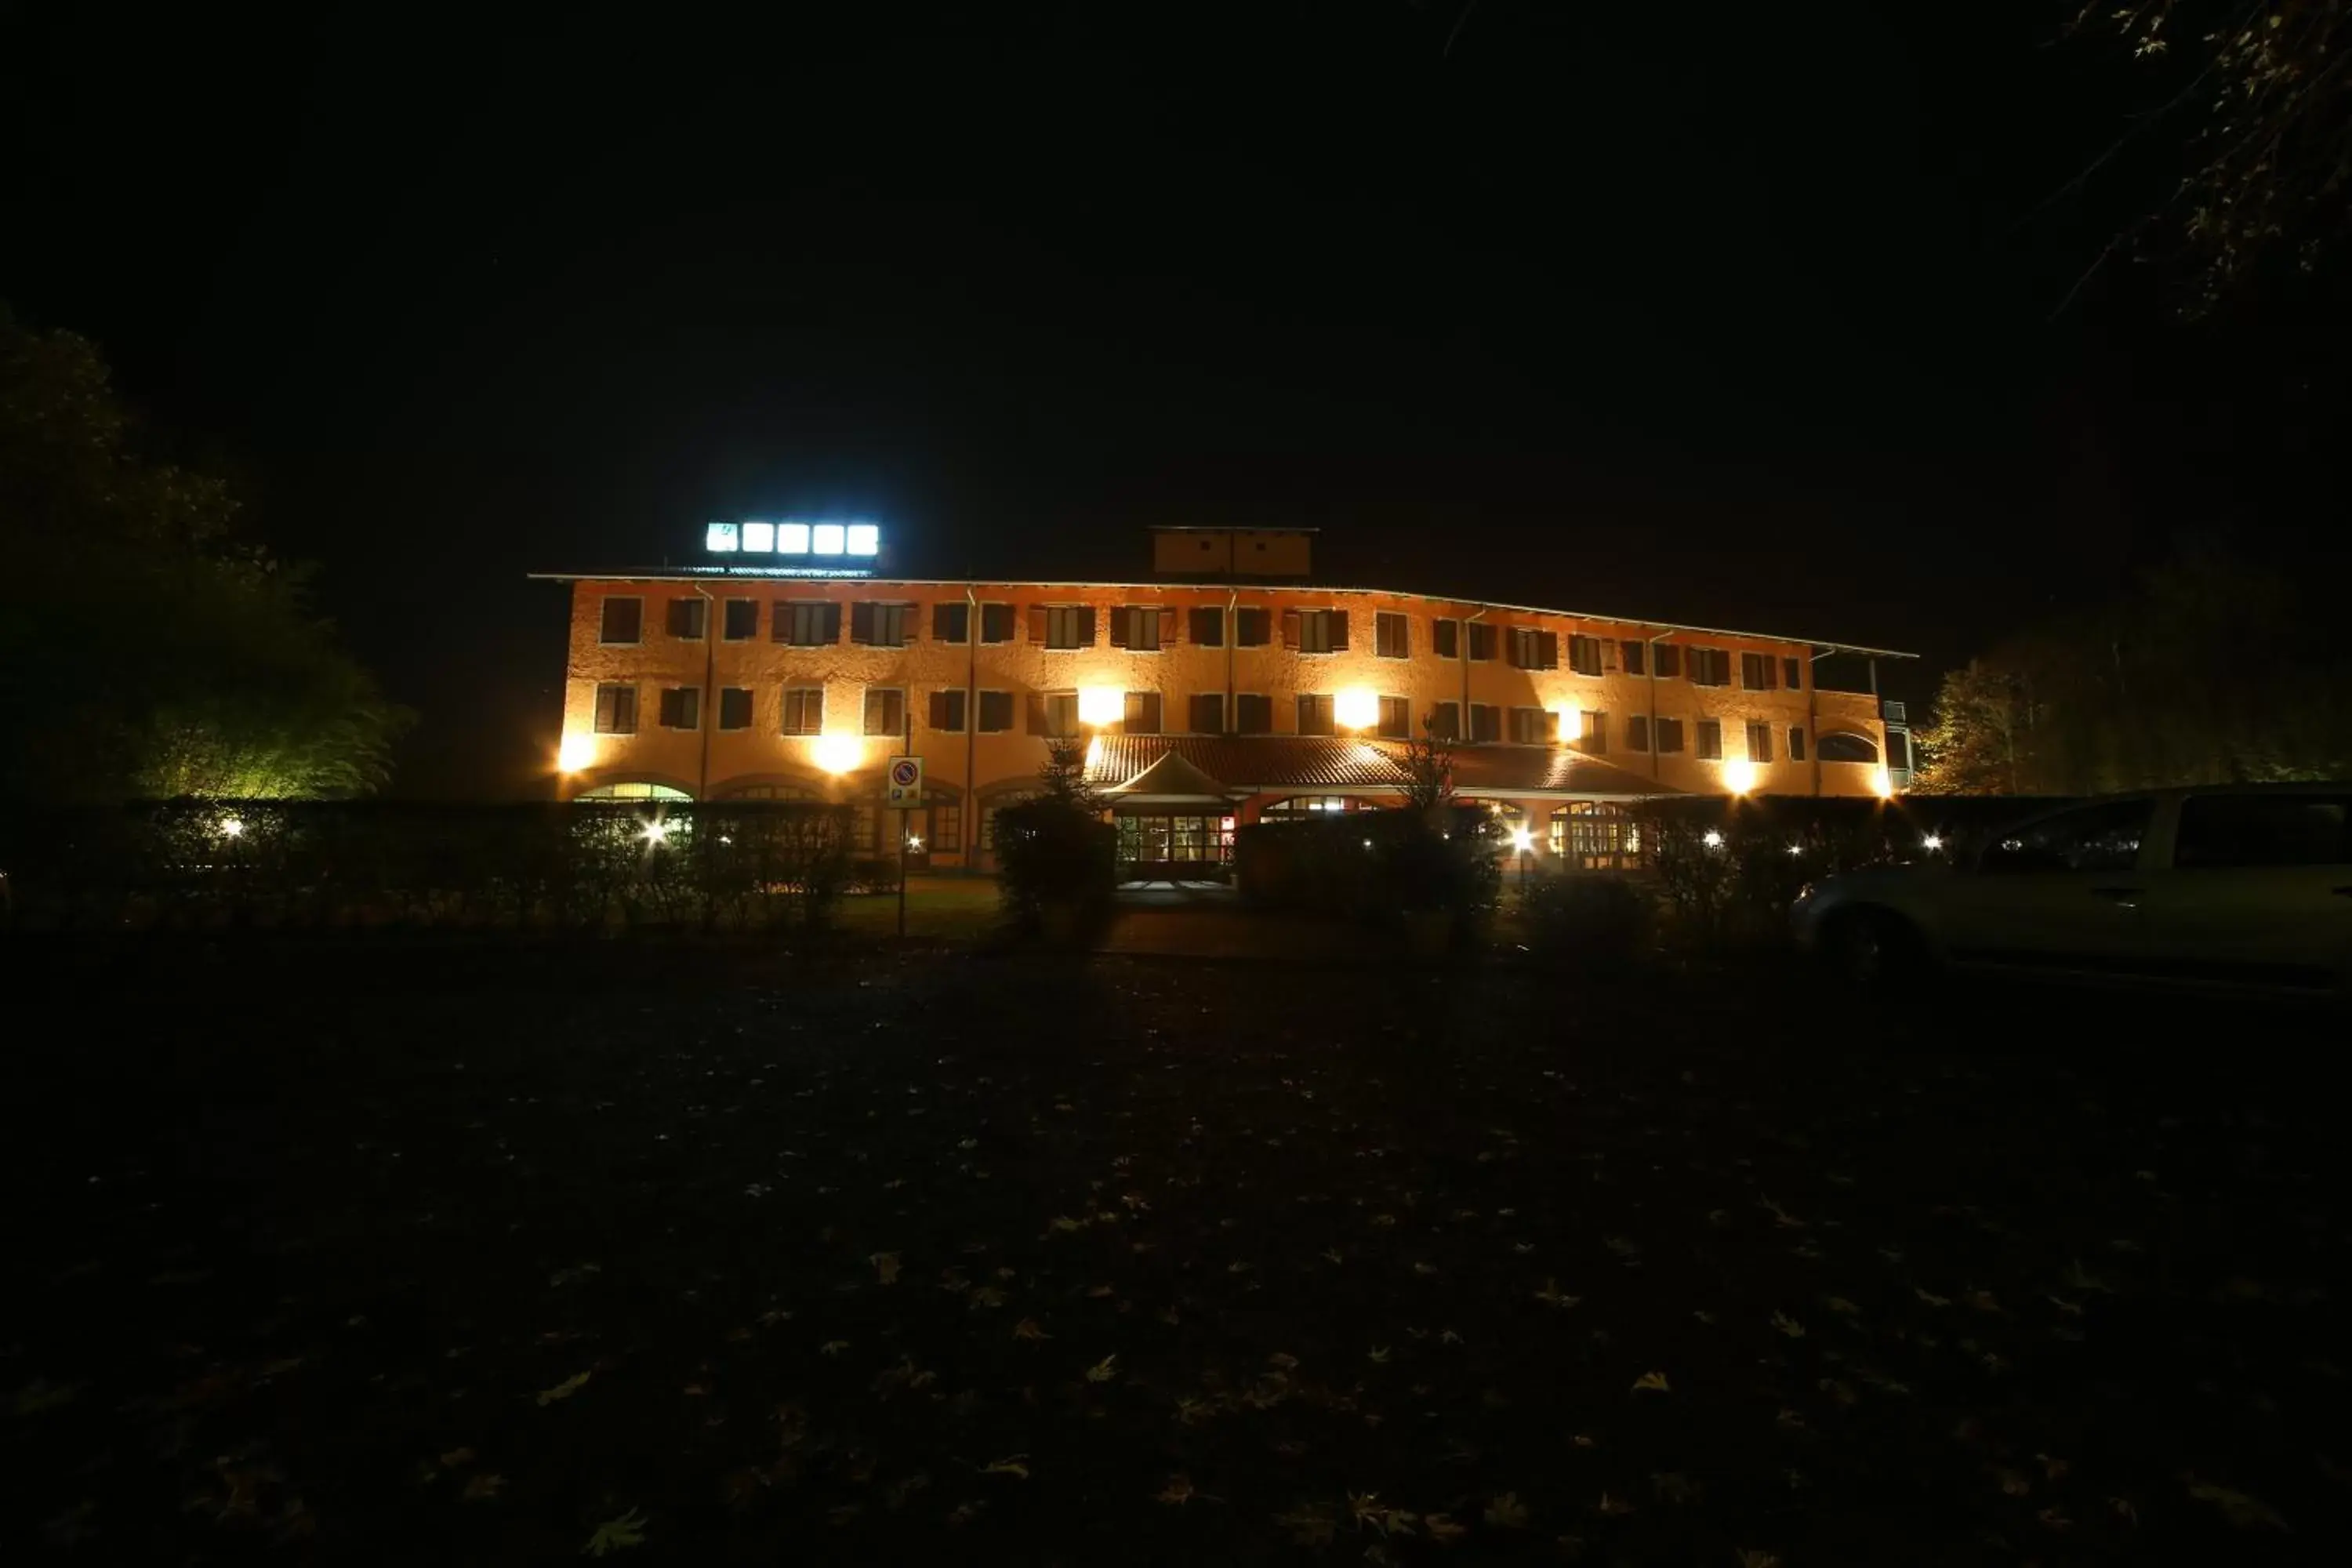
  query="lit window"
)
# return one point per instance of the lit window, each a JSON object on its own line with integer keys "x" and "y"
{"x": 720, "y": 537}
{"x": 864, "y": 538}
{"x": 759, "y": 537}
{"x": 825, "y": 539}
{"x": 792, "y": 539}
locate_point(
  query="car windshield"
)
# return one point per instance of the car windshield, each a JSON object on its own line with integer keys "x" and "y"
{"x": 2104, "y": 837}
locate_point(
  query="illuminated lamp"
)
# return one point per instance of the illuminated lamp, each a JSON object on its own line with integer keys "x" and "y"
{"x": 1932, "y": 842}
{"x": 1739, "y": 778}
{"x": 1712, "y": 839}
{"x": 656, "y": 831}
{"x": 759, "y": 537}
{"x": 1882, "y": 784}
{"x": 1101, "y": 704}
{"x": 1522, "y": 840}
{"x": 825, "y": 539}
{"x": 1567, "y": 732}
{"x": 232, "y": 827}
{"x": 864, "y": 538}
{"x": 719, "y": 537}
{"x": 576, "y": 752}
{"x": 792, "y": 539}
{"x": 1356, "y": 709}
{"x": 837, "y": 754}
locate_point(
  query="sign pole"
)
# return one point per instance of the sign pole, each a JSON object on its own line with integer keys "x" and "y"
{"x": 908, "y": 713}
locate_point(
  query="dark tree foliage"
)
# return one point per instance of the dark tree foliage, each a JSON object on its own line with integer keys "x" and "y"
{"x": 147, "y": 648}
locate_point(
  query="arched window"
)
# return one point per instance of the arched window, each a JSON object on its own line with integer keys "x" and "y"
{"x": 1842, "y": 746}
{"x": 632, "y": 791}
{"x": 768, "y": 792}
{"x": 1596, "y": 835}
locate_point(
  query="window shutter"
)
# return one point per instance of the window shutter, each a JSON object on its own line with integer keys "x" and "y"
{"x": 1337, "y": 621}
{"x": 1121, "y": 619}
{"x": 1087, "y": 625}
{"x": 1208, "y": 626}
{"x": 1445, "y": 637}
{"x": 1037, "y": 634}
{"x": 938, "y": 719}
{"x": 832, "y": 623}
{"x": 1036, "y": 713}
{"x": 861, "y": 622}
{"x": 1205, "y": 719}
{"x": 1290, "y": 629}
{"x": 1547, "y": 650}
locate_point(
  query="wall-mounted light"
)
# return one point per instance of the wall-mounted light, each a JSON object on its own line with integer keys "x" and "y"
{"x": 1882, "y": 784}
{"x": 837, "y": 754}
{"x": 576, "y": 752}
{"x": 1739, "y": 778}
{"x": 1712, "y": 839}
{"x": 1358, "y": 707}
{"x": 1101, "y": 704}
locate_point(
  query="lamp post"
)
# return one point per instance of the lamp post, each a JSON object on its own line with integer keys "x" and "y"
{"x": 1524, "y": 842}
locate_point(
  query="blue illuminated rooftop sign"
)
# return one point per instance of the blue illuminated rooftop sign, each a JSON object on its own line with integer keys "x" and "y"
{"x": 794, "y": 542}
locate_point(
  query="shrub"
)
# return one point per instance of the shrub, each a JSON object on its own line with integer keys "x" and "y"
{"x": 1057, "y": 861}
{"x": 1586, "y": 920}
{"x": 1377, "y": 867}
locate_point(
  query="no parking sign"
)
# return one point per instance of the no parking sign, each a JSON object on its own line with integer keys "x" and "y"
{"x": 906, "y": 781}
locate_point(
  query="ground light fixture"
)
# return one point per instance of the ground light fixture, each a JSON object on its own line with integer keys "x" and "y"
{"x": 657, "y": 832}
{"x": 1712, "y": 839}
{"x": 1796, "y": 849}
{"x": 232, "y": 827}
{"x": 1932, "y": 842}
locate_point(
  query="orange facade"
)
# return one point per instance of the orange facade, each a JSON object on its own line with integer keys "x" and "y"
{"x": 792, "y": 684}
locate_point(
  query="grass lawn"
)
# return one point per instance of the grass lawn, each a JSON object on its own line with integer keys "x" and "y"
{"x": 681, "y": 1255}
{"x": 939, "y": 908}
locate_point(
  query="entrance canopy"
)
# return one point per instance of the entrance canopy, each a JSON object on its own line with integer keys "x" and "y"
{"x": 1174, "y": 780}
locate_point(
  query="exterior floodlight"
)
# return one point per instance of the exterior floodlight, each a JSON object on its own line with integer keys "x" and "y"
{"x": 1739, "y": 778}
{"x": 719, "y": 537}
{"x": 825, "y": 539}
{"x": 576, "y": 752}
{"x": 1358, "y": 707}
{"x": 792, "y": 539}
{"x": 837, "y": 754}
{"x": 1101, "y": 704}
{"x": 1882, "y": 784}
{"x": 759, "y": 537}
{"x": 914, "y": 845}
{"x": 1522, "y": 840}
{"x": 864, "y": 538}
{"x": 656, "y": 831}
{"x": 1932, "y": 842}
{"x": 1796, "y": 849}
{"x": 232, "y": 827}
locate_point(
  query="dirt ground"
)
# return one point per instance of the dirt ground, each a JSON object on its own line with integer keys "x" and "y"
{"x": 437, "y": 1254}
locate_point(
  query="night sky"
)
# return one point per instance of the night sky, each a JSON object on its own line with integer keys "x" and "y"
{"x": 1751, "y": 319}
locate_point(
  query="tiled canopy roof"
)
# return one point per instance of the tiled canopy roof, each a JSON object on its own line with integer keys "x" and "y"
{"x": 1251, "y": 764}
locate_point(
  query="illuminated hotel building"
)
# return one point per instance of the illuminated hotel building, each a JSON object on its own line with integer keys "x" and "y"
{"x": 1225, "y": 689}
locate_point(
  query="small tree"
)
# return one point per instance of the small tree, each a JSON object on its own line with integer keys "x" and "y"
{"x": 1429, "y": 764}
{"x": 1057, "y": 853}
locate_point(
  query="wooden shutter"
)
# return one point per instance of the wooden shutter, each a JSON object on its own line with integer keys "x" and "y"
{"x": 1208, "y": 626}
{"x": 1086, "y": 625}
{"x": 1206, "y": 717}
{"x": 1445, "y": 637}
{"x": 1290, "y": 629}
{"x": 1337, "y": 622}
{"x": 1548, "y": 652}
{"x": 1037, "y": 622}
{"x": 939, "y": 714}
{"x": 1036, "y": 713}
{"x": 1121, "y": 619}
{"x": 861, "y": 621}
{"x": 832, "y": 623}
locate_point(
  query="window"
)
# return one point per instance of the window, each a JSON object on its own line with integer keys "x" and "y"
{"x": 1534, "y": 650}
{"x": 1532, "y": 727}
{"x": 1207, "y": 715}
{"x": 734, "y": 708}
{"x": 1596, "y": 835}
{"x": 1396, "y": 718}
{"x": 1391, "y": 635}
{"x": 1796, "y": 742}
{"x": 947, "y": 827}
{"x": 742, "y": 621}
{"x": 1315, "y": 713}
{"x": 1142, "y": 716}
{"x": 1838, "y": 746}
{"x": 879, "y": 625}
{"x": 1205, "y": 624}
{"x": 681, "y": 708}
{"x": 1445, "y": 637}
{"x": 1710, "y": 666}
{"x": 1792, "y": 674}
{"x": 952, "y": 622}
{"x": 1253, "y": 628}
{"x": 1710, "y": 740}
{"x": 885, "y": 711}
{"x": 996, "y": 623}
{"x": 1062, "y": 625}
{"x": 1485, "y": 722}
{"x": 995, "y": 712}
{"x": 1669, "y": 662}
{"x": 947, "y": 711}
{"x": 1760, "y": 741}
{"x": 688, "y": 617}
{"x": 1483, "y": 638}
{"x": 2217, "y": 830}
{"x": 1584, "y": 654}
{"x": 616, "y": 710}
{"x": 2089, "y": 839}
{"x": 1668, "y": 733}
{"x": 806, "y": 623}
{"x": 1055, "y": 713}
{"x": 1445, "y": 722}
{"x": 1136, "y": 627}
{"x": 803, "y": 711}
{"x": 1593, "y": 733}
{"x": 624, "y": 618}
{"x": 1637, "y": 732}
{"x": 1631, "y": 653}
{"x": 1252, "y": 713}
{"x": 1756, "y": 672}
{"x": 1315, "y": 631}
{"x": 1310, "y": 806}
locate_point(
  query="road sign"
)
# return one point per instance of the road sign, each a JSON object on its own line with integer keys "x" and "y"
{"x": 906, "y": 781}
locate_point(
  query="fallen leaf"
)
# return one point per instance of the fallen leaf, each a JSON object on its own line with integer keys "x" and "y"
{"x": 457, "y": 1457}
{"x": 833, "y": 1347}
{"x": 1508, "y": 1512}
{"x": 1751, "y": 1558}
{"x": 482, "y": 1487}
{"x": 2245, "y": 1512}
{"x": 564, "y": 1390}
{"x": 1610, "y": 1505}
{"x": 1654, "y": 1382}
{"x": 1027, "y": 1329}
{"x": 1308, "y": 1525}
{"x": 1442, "y": 1529}
{"x": 886, "y": 1267}
{"x": 629, "y": 1529}
{"x": 40, "y": 1395}
{"x": 1177, "y": 1490}
{"x": 1013, "y": 1465}
{"x": 1788, "y": 1325}
{"x": 1103, "y": 1370}
{"x": 1379, "y": 1354}
{"x": 1931, "y": 1298}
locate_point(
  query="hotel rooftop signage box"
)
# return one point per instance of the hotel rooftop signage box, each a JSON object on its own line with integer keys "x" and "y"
{"x": 792, "y": 549}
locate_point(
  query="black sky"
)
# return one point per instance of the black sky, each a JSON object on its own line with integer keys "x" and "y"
{"x": 1741, "y": 318}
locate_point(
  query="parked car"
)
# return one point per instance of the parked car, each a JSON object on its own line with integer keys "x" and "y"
{"x": 2235, "y": 886}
